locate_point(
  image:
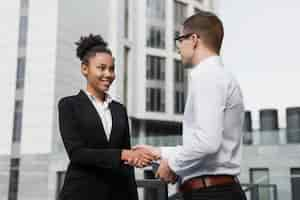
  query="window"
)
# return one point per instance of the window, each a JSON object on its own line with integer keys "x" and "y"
{"x": 126, "y": 18}
{"x": 23, "y": 31}
{"x": 17, "y": 121}
{"x": 179, "y": 71}
{"x": 155, "y": 75}
{"x": 155, "y": 68}
{"x": 126, "y": 65}
{"x": 13, "y": 179}
{"x": 24, "y": 3}
{"x": 155, "y": 37}
{"x": 163, "y": 133}
{"x": 155, "y": 27}
{"x": 180, "y": 91}
{"x": 261, "y": 176}
{"x": 20, "y": 72}
{"x": 179, "y": 102}
{"x": 295, "y": 183}
{"x": 155, "y": 99}
{"x": 180, "y": 12}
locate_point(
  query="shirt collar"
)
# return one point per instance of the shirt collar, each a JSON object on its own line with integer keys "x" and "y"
{"x": 212, "y": 60}
{"x": 104, "y": 104}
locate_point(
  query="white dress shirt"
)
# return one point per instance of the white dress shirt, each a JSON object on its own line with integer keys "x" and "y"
{"x": 103, "y": 112}
{"x": 212, "y": 124}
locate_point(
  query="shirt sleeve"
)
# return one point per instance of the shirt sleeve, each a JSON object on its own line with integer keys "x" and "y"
{"x": 205, "y": 126}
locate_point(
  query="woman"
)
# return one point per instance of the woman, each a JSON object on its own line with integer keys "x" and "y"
{"x": 95, "y": 133}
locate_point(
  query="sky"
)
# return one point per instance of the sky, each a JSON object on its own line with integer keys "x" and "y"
{"x": 261, "y": 47}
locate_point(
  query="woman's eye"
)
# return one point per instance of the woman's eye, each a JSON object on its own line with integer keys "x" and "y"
{"x": 101, "y": 68}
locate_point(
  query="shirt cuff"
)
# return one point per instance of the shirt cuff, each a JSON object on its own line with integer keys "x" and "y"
{"x": 167, "y": 152}
{"x": 172, "y": 165}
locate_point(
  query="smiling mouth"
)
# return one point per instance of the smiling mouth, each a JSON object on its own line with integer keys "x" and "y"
{"x": 106, "y": 82}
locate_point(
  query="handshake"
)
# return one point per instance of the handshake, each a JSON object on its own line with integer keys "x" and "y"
{"x": 144, "y": 155}
{"x": 140, "y": 156}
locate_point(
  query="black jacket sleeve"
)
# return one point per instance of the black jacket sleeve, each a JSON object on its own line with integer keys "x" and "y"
{"x": 132, "y": 187}
{"x": 126, "y": 135}
{"x": 75, "y": 145}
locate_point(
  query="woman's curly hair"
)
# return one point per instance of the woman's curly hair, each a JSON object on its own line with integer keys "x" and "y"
{"x": 88, "y": 46}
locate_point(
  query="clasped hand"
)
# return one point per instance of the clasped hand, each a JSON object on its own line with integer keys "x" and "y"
{"x": 164, "y": 172}
{"x": 142, "y": 156}
{"x": 139, "y": 157}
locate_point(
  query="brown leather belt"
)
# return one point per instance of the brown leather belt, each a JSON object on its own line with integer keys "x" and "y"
{"x": 207, "y": 181}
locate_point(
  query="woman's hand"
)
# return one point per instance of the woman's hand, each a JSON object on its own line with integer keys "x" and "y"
{"x": 138, "y": 157}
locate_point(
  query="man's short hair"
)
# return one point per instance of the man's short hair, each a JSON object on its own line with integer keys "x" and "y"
{"x": 209, "y": 28}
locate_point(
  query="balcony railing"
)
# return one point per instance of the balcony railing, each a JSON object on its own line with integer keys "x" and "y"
{"x": 260, "y": 191}
{"x": 274, "y": 137}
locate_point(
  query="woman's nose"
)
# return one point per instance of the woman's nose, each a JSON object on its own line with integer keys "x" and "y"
{"x": 108, "y": 73}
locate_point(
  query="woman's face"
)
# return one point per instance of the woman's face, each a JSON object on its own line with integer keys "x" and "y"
{"x": 99, "y": 72}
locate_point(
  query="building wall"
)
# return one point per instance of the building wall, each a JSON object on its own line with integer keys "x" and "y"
{"x": 137, "y": 106}
{"x": 40, "y": 77}
{"x": 4, "y": 176}
{"x": 279, "y": 159}
{"x": 38, "y": 100}
{"x": 33, "y": 182}
{"x": 10, "y": 19}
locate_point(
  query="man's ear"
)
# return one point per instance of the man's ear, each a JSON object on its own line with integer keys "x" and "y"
{"x": 84, "y": 69}
{"x": 195, "y": 39}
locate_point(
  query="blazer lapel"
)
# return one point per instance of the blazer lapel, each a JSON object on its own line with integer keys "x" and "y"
{"x": 89, "y": 108}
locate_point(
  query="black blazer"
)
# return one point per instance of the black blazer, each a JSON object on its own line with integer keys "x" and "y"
{"x": 95, "y": 170}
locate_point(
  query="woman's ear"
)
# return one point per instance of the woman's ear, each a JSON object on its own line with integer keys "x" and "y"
{"x": 84, "y": 69}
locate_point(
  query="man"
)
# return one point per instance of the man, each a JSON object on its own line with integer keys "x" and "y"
{"x": 208, "y": 162}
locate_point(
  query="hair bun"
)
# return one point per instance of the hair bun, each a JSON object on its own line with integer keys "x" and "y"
{"x": 86, "y": 43}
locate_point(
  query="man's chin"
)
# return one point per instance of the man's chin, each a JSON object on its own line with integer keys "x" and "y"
{"x": 185, "y": 61}
{"x": 186, "y": 64}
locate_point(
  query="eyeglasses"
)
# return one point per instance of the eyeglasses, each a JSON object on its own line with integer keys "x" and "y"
{"x": 180, "y": 38}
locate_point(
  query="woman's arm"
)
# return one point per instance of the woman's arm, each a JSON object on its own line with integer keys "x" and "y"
{"x": 75, "y": 145}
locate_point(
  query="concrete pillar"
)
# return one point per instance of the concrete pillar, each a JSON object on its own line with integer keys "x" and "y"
{"x": 247, "y": 128}
{"x": 268, "y": 120}
{"x": 293, "y": 125}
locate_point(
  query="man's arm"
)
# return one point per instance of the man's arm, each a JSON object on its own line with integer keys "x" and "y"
{"x": 204, "y": 131}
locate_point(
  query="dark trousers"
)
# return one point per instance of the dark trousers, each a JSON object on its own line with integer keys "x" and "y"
{"x": 224, "y": 192}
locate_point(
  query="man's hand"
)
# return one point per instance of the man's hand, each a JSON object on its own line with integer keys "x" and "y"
{"x": 154, "y": 150}
{"x": 138, "y": 157}
{"x": 165, "y": 173}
